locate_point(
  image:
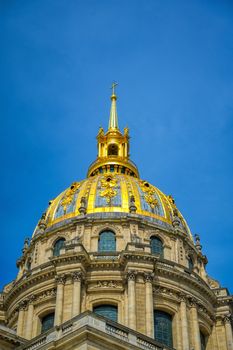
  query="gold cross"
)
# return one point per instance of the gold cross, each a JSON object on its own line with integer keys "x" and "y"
{"x": 114, "y": 84}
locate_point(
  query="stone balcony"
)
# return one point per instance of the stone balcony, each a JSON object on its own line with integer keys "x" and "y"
{"x": 91, "y": 329}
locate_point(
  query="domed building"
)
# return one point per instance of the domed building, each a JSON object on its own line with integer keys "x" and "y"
{"x": 112, "y": 264}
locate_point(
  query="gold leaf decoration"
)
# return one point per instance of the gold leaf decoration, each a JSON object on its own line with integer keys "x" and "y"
{"x": 149, "y": 194}
{"x": 108, "y": 182}
{"x": 171, "y": 200}
{"x": 69, "y": 195}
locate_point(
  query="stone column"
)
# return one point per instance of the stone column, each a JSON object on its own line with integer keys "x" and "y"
{"x": 184, "y": 323}
{"x": 21, "y": 315}
{"x": 195, "y": 325}
{"x": 131, "y": 300}
{"x": 126, "y": 307}
{"x": 59, "y": 300}
{"x": 178, "y": 331}
{"x": 214, "y": 338}
{"x": 228, "y": 330}
{"x": 29, "y": 320}
{"x": 76, "y": 304}
{"x": 149, "y": 305}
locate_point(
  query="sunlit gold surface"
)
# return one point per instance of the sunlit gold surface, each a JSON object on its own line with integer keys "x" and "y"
{"x": 128, "y": 186}
{"x": 113, "y": 177}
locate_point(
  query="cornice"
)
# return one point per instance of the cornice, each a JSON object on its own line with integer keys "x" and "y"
{"x": 178, "y": 296}
{"x": 23, "y": 284}
{"x": 165, "y": 269}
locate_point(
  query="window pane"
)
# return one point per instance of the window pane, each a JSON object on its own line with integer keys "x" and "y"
{"x": 163, "y": 327}
{"x": 58, "y": 246}
{"x": 190, "y": 263}
{"x": 107, "y": 242}
{"x": 108, "y": 311}
{"x": 47, "y": 322}
{"x": 156, "y": 246}
{"x": 203, "y": 341}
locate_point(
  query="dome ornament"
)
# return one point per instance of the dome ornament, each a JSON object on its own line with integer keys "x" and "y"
{"x": 114, "y": 84}
{"x": 26, "y": 245}
{"x": 113, "y": 146}
{"x": 42, "y": 223}
{"x": 69, "y": 195}
{"x": 109, "y": 183}
{"x": 113, "y": 119}
{"x": 198, "y": 242}
{"x": 83, "y": 207}
{"x": 132, "y": 205}
{"x": 149, "y": 194}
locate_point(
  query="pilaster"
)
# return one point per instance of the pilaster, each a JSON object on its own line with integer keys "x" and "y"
{"x": 148, "y": 278}
{"x": 228, "y": 330}
{"x": 59, "y": 299}
{"x": 76, "y": 304}
{"x": 131, "y": 277}
{"x": 184, "y": 322}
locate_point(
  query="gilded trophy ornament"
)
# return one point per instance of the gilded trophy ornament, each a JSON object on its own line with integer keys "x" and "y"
{"x": 109, "y": 183}
{"x": 69, "y": 195}
{"x": 149, "y": 194}
{"x": 171, "y": 201}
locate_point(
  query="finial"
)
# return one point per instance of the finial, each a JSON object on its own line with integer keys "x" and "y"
{"x": 113, "y": 119}
{"x": 198, "y": 244}
{"x": 114, "y": 84}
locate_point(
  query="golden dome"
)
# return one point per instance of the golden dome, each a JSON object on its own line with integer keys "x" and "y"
{"x": 114, "y": 195}
{"x": 113, "y": 188}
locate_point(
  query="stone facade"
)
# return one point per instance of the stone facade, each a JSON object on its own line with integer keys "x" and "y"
{"x": 132, "y": 277}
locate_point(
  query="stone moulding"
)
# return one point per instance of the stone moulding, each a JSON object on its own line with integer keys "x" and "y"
{"x": 180, "y": 275}
{"x": 100, "y": 328}
{"x": 24, "y": 284}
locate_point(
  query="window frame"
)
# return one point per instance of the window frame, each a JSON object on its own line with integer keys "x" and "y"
{"x": 101, "y": 249}
{"x": 113, "y": 306}
{"x": 42, "y": 318}
{"x": 169, "y": 318}
{"x": 158, "y": 239}
{"x": 55, "y": 243}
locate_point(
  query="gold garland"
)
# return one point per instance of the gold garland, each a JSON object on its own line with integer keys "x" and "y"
{"x": 69, "y": 195}
{"x": 108, "y": 182}
{"x": 149, "y": 194}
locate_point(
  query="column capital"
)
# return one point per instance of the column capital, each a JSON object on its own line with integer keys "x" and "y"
{"x": 148, "y": 277}
{"x": 22, "y": 305}
{"x": 227, "y": 319}
{"x": 193, "y": 302}
{"x": 182, "y": 297}
{"x": 31, "y": 299}
{"x": 77, "y": 276}
{"x": 60, "y": 279}
{"x": 220, "y": 319}
{"x": 131, "y": 275}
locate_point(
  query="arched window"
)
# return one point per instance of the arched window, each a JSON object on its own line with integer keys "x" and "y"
{"x": 190, "y": 263}
{"x": 156, "y": 246}
{"x": 47, "y": 322}
{"x": 107, "y": 242}
{"x": 58, "y": 246}
{"x": 203, "y": 341}
{"x": 112, "y": 150}
{"x": 163, "y": 327}
{"x": 108, "y": 311}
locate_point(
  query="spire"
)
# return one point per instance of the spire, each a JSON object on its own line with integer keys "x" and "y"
{"x": 113, "y": 148}
{"x": 113, "y": 119}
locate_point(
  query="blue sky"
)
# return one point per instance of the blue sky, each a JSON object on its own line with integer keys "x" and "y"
{"x": 173, "y": 61}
